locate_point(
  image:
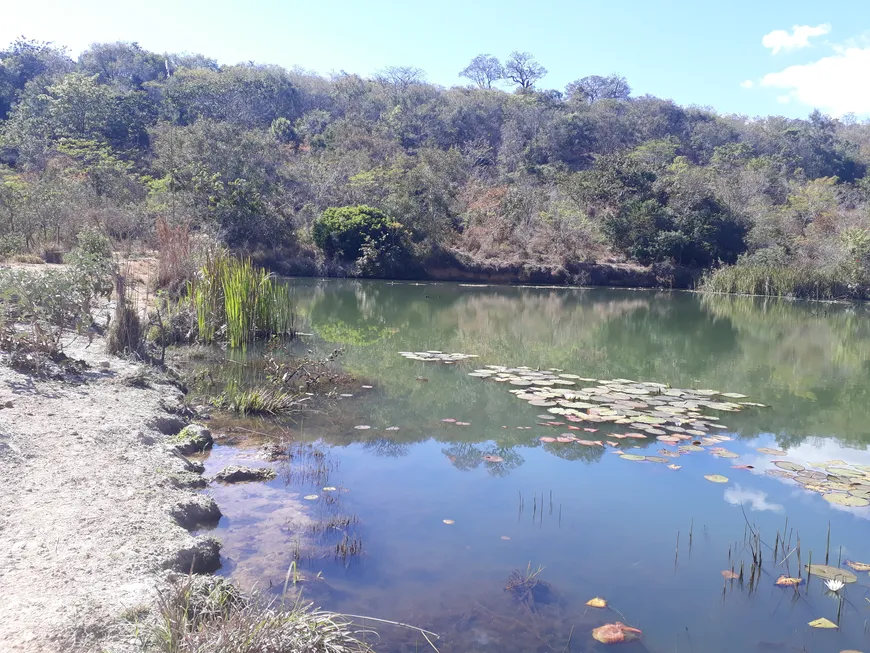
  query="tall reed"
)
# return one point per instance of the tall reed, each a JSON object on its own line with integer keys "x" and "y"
{"x": 239, "y": 300}
{"x": 782, "y": 281}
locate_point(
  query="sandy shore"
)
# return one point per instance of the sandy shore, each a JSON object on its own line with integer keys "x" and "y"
{"x": 89, "y": 483}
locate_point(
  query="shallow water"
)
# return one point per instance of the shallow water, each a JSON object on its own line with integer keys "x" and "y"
{"x": 651, "y": 540}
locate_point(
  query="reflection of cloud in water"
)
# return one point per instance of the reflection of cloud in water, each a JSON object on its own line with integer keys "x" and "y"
{"x": 808, "y": 453}
{"x": 756, "y": 499}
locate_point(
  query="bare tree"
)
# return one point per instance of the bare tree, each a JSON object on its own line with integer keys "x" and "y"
{"x": 483, "y": 70}
{"x": 401, "y": 76}
{"x": 521, "y": 68}
{"x": 595, "y": 87}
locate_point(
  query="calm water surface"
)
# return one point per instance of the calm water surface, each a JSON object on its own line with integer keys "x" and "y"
{"x": 651, "y": 540}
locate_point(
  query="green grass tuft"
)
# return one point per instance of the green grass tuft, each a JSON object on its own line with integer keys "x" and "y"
{"x": 239, "y": 300}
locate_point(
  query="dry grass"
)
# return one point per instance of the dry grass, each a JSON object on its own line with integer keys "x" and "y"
{"x": 175, "y": 265}
{"x": 209, "y": 615}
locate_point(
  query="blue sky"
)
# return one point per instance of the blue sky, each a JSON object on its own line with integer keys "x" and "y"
{"x": 754, "y": 57}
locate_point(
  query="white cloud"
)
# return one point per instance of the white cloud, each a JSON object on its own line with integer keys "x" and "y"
{"x": 779, "y": 39}
{"x": 835, "y": 84}
{"x": 747, "y": 83}
{"x": 756, "y": 500}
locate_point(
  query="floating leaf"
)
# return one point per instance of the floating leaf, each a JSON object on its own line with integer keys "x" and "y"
{"x": 742, "y": 467}
{"x": 716, "y": 478}
{"x": 785, "y": 581}
{"x": 596, "y": 603}
{"x": 656, "y": 459}
{"x": 845, "y": 471}
{"x": 362, "y": 427}
{"x": 771, "y": 452}
{"x": 448, "y": 521}
{"x": 448, "y": 420}
{"x": 505, "y": 537}
{"x": 822, "y": 623}
{"x": 392, "y": 428}
{"x": 846, "y": 500}
{"x": 858, "y": 566}
{"x": 547, "y": 439}
{"x": 631, "y": 456}
{"x": 727, "y": 574}
{"x": 790, "y": 466}
{"x": 463, "y": 423}
{"x": 832, "y": 573}
{"x": 329, "y": 489}
{"x": 675, "y": 466}
{"x": 310, "y": 497}
{"x": 493, "y": 459}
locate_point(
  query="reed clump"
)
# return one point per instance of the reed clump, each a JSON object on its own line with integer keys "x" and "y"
{"x": 239, "y": 301}
{"x": 781, "y": 281}
{"x": 258, "y": 401}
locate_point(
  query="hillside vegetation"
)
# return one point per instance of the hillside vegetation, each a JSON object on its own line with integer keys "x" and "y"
{"x": 411, "y": 174}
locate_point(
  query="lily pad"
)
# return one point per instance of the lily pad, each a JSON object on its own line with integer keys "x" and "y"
{"x": 727, "y": 574}
{"x": 790, "y": 466}
{"x": 657, "y": 459}
{"x": 785, "y": 581}
{"x": 846, "y": 500}
{"x": 493, "y": 459}
{"x": 362, "y": 427}
{"x": 771, "y": 452}
{"x": 310, "y": 497}
{"x": 831, "y": 573}
{"x": 822, "y": 623}
{"x": 597, "y": 602}
{"x": 675, "y": 467}
{"x": 845, "y": 471}
{"x": 631, "y": 456}
{"x": 716, "y": 478}
{"x": 858, "y": 566}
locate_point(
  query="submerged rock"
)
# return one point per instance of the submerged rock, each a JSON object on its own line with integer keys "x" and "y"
{"x": 197, "y": 510}
{"x": 272, "y": 452}
{"x": 238, "y": 474}
{"x": 193, "y": 438}
{"x": 202, "y": 557}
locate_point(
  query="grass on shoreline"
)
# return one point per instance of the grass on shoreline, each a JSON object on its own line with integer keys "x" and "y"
{"x": 238, "y": 298}
{"x": 210, "y": 615}
{"x": 781, "y": 281}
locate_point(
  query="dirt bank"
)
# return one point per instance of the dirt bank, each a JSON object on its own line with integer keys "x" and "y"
{"x": 89, "y": 483}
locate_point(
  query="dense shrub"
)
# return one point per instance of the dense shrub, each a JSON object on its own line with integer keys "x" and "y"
{"x": 341, "y": 232}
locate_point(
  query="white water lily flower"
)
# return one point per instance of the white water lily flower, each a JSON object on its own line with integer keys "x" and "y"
{"x": 835, "y": 585}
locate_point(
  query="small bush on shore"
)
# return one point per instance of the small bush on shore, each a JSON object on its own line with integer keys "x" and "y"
{"x": 363, "y": 235}
{"x": 211, "y": 616}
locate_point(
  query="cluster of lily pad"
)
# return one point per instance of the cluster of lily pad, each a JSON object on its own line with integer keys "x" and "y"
{"x": 436, "y": 356}
{"x": 837, "y": 481}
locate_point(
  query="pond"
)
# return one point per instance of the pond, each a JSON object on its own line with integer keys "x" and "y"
{"x": 451, "y": 491}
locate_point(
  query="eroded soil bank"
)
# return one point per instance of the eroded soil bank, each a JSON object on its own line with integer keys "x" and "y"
{"x": 92, "y": 495}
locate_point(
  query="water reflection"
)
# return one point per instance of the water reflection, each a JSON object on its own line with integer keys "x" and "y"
{"x": 599, "y": 525}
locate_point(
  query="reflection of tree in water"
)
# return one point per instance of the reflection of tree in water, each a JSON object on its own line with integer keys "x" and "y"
{"x": 387, "y": 448}
{"x": 466, "y": 456}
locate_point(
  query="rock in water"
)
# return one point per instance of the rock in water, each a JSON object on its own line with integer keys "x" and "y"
{"x": 238, "y": 474}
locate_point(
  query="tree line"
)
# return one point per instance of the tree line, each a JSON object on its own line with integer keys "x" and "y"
{"x": 255, "y": 154}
